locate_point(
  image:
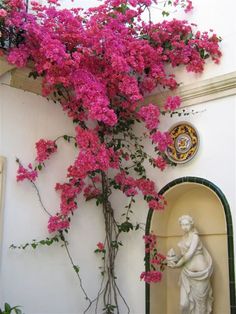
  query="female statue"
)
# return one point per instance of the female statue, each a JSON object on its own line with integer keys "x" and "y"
{"x": 195, "y": 288}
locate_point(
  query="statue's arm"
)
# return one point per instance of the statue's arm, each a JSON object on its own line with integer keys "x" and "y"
{"x": 191, "y": 251}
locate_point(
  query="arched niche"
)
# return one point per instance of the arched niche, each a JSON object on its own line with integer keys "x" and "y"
{"x": 208, "y": 206}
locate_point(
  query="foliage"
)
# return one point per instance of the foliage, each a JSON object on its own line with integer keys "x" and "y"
{"x": 99, "y": 65}
{"x": 10, "y": 310}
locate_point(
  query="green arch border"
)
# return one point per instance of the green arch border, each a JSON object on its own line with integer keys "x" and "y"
{"x": 228, "y": 217}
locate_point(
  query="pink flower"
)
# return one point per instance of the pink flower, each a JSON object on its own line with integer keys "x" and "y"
{"x": 91, "y": 192}
{"x": 150, "y": 115}
{"x": 130, "y": 191}
{"x": 151, "y": 276}
{"x": 158, "y": 259}
{"x": 26, "y": 174}
{"x": 45, "y": 149}
{"x": 100, "y": 246}
{"x": 52, "y": 1}
{"x": 16, "y": 4}
{"x": 18, "y": 56}
{"x": 172, "y": 103}
{"x": 163, "y": 140}
{"x": 157, "y": 204}
{"x": 147, "y": 187}
{"x": 69, "y": 192}
{"x": 87, "y": 138}
{"x": 189, "y": 6}
{"x": 160, "y": 163}
{"x": 57, "y": 223}
{"x": 3, "y": 13}
{"x": 127, "y": 184}
{"x": 150, "y": 242}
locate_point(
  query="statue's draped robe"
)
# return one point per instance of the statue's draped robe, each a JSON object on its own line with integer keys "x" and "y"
{"x": 196, "y": 287}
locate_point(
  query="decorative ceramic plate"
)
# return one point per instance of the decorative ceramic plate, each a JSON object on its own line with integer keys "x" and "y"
{"x": 185, "y": 143}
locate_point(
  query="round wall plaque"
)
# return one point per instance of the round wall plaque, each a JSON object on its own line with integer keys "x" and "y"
{"x": 185, "y": 143}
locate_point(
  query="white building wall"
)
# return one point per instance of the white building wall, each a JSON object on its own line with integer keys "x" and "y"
{"x": 42, "y": 281}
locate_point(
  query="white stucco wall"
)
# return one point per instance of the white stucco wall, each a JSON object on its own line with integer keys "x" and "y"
{"x": 42, "y": 280}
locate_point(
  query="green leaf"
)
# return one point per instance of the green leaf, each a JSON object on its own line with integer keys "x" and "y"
{"x": 34, "y": 245}
{"x": 126, "y": 226}
{"x": 76, "y": 268}
{"x": 165, "y": 13}
{"x": 17, "y": 310}
{"x": 7, "y": 308}
{"x": 33, "y": 74}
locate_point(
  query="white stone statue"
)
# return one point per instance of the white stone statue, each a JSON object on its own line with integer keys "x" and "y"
{"x": 196, "y": 263}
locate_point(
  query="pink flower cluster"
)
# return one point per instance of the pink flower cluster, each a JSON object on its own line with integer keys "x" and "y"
{"x": 45, "y": 149}
{"x": 172, "y": 103}
{"x": 150, "y": 115}
{"x": 160, "y": 163}
{"x": 150, "y": 241}
{"x": 100, "y": 246}
{"x": 157, "y": 204}
{"x": 18, "y": 56}
{"x": 151, "y": 276}
{"x": 162, "y": 139}
{"x": 158, "y": 259}
{"x": 106, "y": 63}
{"x": 3, "y": 13}
{"x": 57, "y": 223}
{"x": 16, "y": 4}
{"x": 26, "y": 174}
{"x": 91, "y": 192}
{"x": 93, "y": 155}
{"x": 69, "y": 192}
{"x": 127, "y": 184}
{"x": 130, "y": 187}
{"x": 155, "y": 257}
{"x": 87, "y": 139}
{"x": 147, "y": 187}
{"x": 188, "y": 5}
{"x": 89, "y": 161}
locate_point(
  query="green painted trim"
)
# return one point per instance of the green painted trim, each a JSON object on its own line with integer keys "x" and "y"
{"x": 228, "y": 217}
{"x": 147, "y": 263}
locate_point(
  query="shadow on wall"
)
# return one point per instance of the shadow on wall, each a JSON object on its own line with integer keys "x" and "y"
{"x": 207, "y": 205}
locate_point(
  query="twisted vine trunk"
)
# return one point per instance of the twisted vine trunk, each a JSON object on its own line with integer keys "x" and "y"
{"x": 111, "y": 291}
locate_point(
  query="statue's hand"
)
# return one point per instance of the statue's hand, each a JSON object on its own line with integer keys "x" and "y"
{"x": 171, "y": 264}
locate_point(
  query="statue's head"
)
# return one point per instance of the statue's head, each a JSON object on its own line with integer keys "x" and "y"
{"x": 186, "y": 222}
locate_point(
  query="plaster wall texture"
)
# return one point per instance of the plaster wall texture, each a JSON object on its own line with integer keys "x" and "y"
{"x": 42, "y": 281}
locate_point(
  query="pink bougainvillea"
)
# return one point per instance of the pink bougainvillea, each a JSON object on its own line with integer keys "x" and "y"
{"x": 151, "y": 276}
{"x": 56, "y": 223}
{"x": 26, "y": 173}
{"x": 45, "y": 149}
{"x": 100, "y": 246}
{"x": 150, "y": 115}
{"x": 160, "y": 162}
